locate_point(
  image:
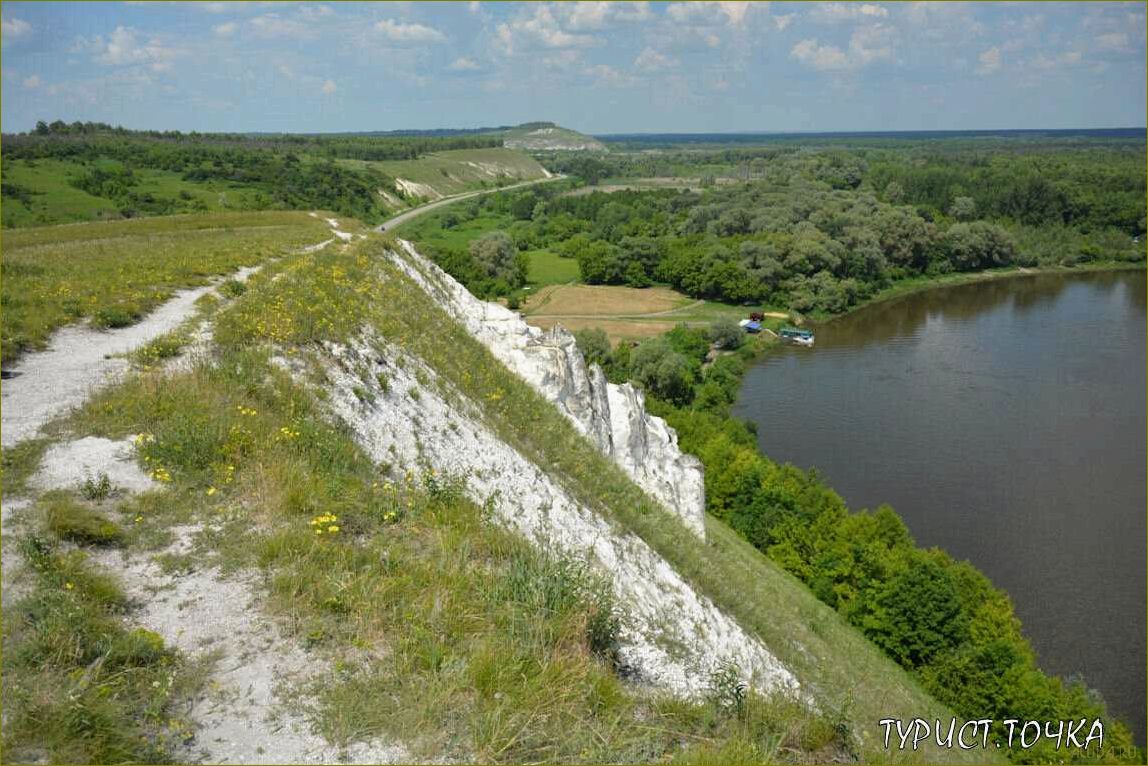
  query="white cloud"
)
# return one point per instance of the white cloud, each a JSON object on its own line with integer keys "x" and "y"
{"x": 820, "y": 57}
{"x": 867, "y": 45}
{"x": 124, "y": 48}
{"x": 33, "y": 82}
{"x": 463, "y": 64}
{"x": 226, "y": 29}
{"x": 649, "y": 60}
{"x": 832, "y": 13}
{"x": 13, "y": 28}
{"x": 597, "y": 14}
{"x": 328, "y": 87}
{"x": 314, "y": 12}
{"x": 990, "y": 61}
{"x": 474, "y": 6}
{"x": 783, "y": 21}
{"x": 1114, "y": 41}
{"x": 408, "y": 33}
{"x": 274, "y": 25}
{"x": 540, "y": 29}
{"x": 733, "y": 13}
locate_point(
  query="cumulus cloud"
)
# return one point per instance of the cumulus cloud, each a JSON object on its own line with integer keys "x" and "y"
{"x": 408, "y": 33}
{"x": 539, "y": 29}
{"x": 272, "y": 25}
{"x": 1114, "y": 41}
{"x": 820, "y": 57}
{"x": 650, "y": 60}
{"x": 867, "y": 45}
{"x": 732, "y": 13}
{"x": 463, "y": 64}
{"x": 125, "y": 48}
{"x": 837, "y": 12}
{"x": 598, "y": 14}
{"x": 783, "y": 21}
{"x": 989, "y": 61}
{"x": 328, "y": 87}
{"x": 13, "y": 28}
{"x": 226, "y": 29}
{"x": 33, "y": 82}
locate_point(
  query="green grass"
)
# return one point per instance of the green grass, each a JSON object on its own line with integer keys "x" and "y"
{"x": 53, "y": 199}
{"x": 116, "y": 272}
{"x": 846, "y": 672}
{"x": 80, "y": 685}
{"x": 548, "y": 268}
{"x": 71, "y": 520}
{"x": 19, "y": 462}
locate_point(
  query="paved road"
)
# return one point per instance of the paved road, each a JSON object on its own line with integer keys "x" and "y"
{"x": 402, "y": 218}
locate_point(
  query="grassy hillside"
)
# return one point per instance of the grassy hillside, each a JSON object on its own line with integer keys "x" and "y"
{"x": 441, "y": 629}
{"x": 443, "y": 174}
{"x": 114, "y": 272}
{"x": 546, "y": 136}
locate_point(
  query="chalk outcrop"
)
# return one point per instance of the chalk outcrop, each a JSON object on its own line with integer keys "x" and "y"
{"x": 613, "y": 416}
{"x": 672, "y": 637}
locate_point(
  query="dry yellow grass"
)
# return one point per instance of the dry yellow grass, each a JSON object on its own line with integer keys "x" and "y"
{"x": 603, "y": 300}
{"x": 616, "y": 329}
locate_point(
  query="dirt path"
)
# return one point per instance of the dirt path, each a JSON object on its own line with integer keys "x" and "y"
{"x": 402, "y": 218}
{"x": 81, "y": 360}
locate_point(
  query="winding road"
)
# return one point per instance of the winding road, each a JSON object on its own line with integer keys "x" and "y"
{"x": 402, "y": 218}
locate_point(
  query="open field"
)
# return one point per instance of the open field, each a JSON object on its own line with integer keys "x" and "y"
{"x": 114, "y": 272}
{"x": 51, "y": 198}
{"x": 628, "y": 313}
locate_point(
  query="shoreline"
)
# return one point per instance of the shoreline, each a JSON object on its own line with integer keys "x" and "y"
{"x": 920, "y": 284}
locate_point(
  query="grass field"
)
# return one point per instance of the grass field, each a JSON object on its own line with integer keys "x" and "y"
{"x": 53, "y": 199}
{"x": 547, "y": 268}
{"x": 628, "y": 313}
{"x": 114, "y": 272}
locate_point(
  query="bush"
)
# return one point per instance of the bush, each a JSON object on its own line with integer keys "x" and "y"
{"x": 726, "y": 333}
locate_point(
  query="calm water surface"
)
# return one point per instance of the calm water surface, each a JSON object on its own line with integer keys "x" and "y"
{"x": 1005, "y": 422}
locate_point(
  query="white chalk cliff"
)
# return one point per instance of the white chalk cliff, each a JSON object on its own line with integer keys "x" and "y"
{"x": 406, "y": 415}
{"x": 613, "y": 416}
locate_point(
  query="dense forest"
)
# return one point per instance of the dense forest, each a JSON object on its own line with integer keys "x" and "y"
{"x": 939, "y": 618}
{"x": 819, "y": 231}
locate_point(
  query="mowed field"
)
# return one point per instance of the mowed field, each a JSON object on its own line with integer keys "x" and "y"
{"x": 627, "y": 313}
{"x": 112, "y": 273}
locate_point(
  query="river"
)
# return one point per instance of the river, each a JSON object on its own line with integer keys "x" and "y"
{"x": 1005, "y": 421}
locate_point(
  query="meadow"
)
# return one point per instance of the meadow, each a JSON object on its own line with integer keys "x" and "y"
{"x": 113, "y": 273}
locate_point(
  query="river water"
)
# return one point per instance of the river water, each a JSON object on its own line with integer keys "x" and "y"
{"x": 1005, "y": 422}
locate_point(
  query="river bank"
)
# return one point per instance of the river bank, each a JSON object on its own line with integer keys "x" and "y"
{"x": 1000, "y": 418}
{"x": 911, "y": 285}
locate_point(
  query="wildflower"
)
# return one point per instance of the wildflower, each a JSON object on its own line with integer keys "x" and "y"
{"x": 210, "y": 491}
{"x": 69, "y": 586}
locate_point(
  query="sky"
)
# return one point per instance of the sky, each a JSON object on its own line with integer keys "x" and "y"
{"x": 598, "y": 67}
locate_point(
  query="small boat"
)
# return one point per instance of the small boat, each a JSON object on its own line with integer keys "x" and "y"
{"x": 794, "y": 335}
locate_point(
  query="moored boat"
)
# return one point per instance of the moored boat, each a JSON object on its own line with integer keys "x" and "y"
{"x": 794, "y": 335}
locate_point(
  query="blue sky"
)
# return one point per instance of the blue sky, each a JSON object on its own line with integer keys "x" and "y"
{"x": 595, "y": 66}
